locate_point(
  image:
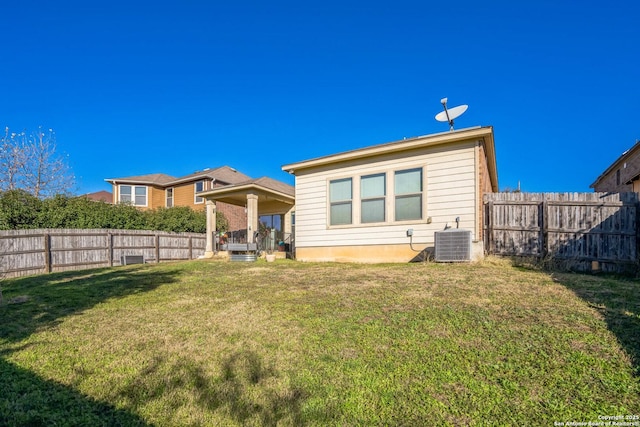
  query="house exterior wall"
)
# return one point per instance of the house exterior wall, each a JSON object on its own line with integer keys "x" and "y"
{"x": 628, "y": 168}
{"x": 450, "y": 190}
{"x": 484, "y": 187}
{"x": 236, "y": 216}
{"x": 156, "y": 197}
{"x": 183, "y": 195}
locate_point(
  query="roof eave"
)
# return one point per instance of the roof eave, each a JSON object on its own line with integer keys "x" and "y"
{"x": 403, "y": 145}
{"x": 115, "y": 181}
{"x": 490, "y": 148}
{"x": 616, "y": 164}
{"x": 230, "y": 189}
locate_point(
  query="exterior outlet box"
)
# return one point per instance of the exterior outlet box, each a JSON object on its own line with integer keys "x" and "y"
{"x": 410, "y": 232}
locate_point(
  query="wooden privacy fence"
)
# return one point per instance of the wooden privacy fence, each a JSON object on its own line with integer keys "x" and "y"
{"x": 587, "y": 231}
{"x": 24, "y": 252}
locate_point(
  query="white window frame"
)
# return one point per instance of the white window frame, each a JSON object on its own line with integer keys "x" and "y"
{"x": 340, "y": 202}
{"x": 407, "y": 195}
{"x": 132, "y": 202}
{"x": 390, "y": 197}
{"x": 167, "y": 198}
{"x": 198, "y": 200}
{"x": 382, "y": 197}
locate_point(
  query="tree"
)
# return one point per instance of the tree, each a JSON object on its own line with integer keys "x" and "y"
{"x": 11, "y": 160}
{"x": 30, "y": 162}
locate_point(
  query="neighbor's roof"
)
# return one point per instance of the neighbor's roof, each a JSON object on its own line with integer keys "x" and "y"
{"x": 485, "y": 133}
{"x": 100, "y": 196}
{"x": 225, "y": 174}
{"x": 265, "y": 183}
{"x": 615, "y": 165}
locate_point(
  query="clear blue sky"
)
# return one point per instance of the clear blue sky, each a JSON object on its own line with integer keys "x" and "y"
{"x": 143, "y": 87}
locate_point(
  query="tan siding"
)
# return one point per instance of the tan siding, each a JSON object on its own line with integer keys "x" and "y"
{"x": 449, "y": 173}
{"x": 156, "y": 197}
{"x": 183, "y": 195}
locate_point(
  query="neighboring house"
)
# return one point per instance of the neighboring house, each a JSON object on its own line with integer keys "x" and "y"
{"x": 362, "y": 205}
{"x": 623, "y": 175}
{"x": 161, "y": 190}
{"x": 100, "y": 196}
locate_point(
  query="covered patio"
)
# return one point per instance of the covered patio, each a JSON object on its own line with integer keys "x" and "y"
{"x": 261, "y": 197}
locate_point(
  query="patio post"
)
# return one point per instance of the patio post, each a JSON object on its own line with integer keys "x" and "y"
{"x": 211, "y": 227}
{"x": 252, "y": 217}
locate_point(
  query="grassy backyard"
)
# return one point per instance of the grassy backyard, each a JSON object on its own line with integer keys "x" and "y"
{"x": 214, "y": 343}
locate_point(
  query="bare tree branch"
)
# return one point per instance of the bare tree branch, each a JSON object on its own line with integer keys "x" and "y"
{"x": 31, "y": 163}
{"x": 12, "y": 160}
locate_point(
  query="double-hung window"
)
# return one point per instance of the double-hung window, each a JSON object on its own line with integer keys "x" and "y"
{"x": 133, "y": 194}
{"x": 169, "y": 193}
{"x": 408, "y": 194}
{"x": 340, "y": 199}
{"x": 198, "y": 186}
{"x": 372, "y": 198}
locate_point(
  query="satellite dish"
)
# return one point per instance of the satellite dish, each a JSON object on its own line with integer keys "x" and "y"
{"x": 448, "y": 115}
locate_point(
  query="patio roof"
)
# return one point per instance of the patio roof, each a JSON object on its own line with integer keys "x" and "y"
{"x": 273, "y": 196}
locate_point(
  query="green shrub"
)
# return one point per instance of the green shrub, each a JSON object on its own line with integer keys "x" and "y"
{"x": 20, "y": 210}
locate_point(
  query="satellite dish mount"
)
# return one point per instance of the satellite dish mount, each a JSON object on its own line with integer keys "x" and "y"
{"x": 448, "y": 115}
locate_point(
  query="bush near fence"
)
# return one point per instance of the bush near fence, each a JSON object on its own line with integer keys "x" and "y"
{"x": 579, "y": 231}
{"x": 25, "y": 252}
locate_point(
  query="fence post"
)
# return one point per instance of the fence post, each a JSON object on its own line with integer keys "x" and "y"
{"x": 47, "y": 253}
{"x": 544, "y": 229}
{"x": 157, "y": 248}
{"x": 110, "y": 249}
{"x": 489, "y": 236}
{"x": 190, "y": 248}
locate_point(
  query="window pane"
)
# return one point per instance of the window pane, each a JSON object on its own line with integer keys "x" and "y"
{"x": 125, "y": 194}
{"x": 409, "y": 181}
{"x": 373, "y": 210}
{"x": 199, "y": 186}
{"x": 340, "y": 190}
{"x": 372, "y": 186}
{"x": 341, "y": 213}
{"x": 408, "y": 207}
{"x": 141, "y": 196}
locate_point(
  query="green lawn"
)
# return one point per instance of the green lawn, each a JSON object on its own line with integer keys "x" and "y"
{"x": 215, "y": 343}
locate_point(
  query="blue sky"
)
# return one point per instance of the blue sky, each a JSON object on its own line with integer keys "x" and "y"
{"x": 173, "y": 87}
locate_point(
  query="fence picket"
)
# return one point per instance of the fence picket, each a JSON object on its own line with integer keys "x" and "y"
{"x": 576, "y": 227}
{"x": 26, "y": 252}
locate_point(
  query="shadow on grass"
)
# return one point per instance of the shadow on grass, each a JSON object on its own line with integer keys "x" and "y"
{"x": 50, "y": 298}
{"x": 28, "y": 400}
{"x": 618, "y": 300}
{"x": 246, "y": 390}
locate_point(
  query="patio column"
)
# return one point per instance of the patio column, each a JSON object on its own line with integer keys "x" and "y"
{"x": 252, "y": 217}
{"x": 211, "y": 227}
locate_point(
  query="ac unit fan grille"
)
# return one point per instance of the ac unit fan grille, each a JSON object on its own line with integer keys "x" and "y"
{"x": 453, "y": 245}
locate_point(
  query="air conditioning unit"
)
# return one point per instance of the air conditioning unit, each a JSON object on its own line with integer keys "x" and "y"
{"x": 453, "y": 245}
